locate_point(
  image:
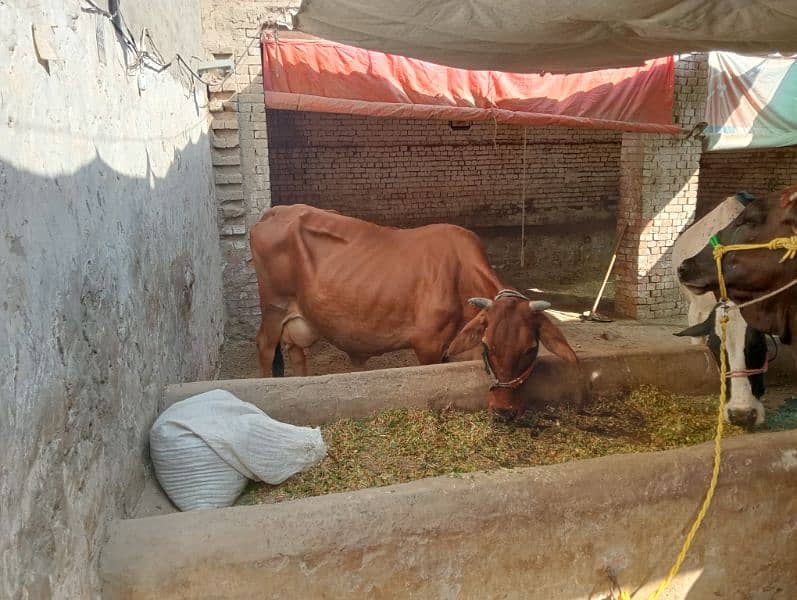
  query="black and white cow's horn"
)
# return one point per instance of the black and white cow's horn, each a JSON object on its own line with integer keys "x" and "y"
{"x": 539, "y": 305}
{"x": 480, "y": 302}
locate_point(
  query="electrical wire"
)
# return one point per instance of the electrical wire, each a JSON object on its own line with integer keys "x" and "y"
{"x": 151, "y": 57}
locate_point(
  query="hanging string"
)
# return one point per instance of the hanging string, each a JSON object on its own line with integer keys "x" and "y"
{"x": 523, "y": 204}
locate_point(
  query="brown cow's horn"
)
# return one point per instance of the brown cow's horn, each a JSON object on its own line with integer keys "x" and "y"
{"x": 481, "y": 302}
{"x": 539, "y": 305}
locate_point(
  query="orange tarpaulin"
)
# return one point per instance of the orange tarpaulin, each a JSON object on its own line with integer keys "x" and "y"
{"x": 321, "y": 76}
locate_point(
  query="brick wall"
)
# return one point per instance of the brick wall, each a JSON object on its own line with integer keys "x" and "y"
{"x": 722, "y": 174}
{"x": 658, "y": 197}
{"x": 240, "y": 148}
{"x": 407, "y": 172}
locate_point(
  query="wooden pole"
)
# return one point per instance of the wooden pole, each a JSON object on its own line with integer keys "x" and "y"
{"x": 609, "y": 270}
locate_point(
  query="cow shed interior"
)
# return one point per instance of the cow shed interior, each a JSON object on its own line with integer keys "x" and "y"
{"x": 360, "y": 142}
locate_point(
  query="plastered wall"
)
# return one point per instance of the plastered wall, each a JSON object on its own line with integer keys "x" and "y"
{"x": 110, "y": 274}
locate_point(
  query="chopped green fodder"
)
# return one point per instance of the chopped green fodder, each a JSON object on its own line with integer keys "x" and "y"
{"x": 407, "y": 444}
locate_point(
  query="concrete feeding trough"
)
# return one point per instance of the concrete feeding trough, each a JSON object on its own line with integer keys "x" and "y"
{"x": 547, "y": 532}
{"x": 320, "y": 399}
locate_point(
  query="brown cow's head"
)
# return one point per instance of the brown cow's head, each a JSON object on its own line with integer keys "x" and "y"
{"x": 750, "y": 273}
{"x": 510, "y": 329}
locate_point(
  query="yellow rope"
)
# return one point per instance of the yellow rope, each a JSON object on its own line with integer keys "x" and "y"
{"x": 715, "y": 471}
{"x": 790, "y": 245}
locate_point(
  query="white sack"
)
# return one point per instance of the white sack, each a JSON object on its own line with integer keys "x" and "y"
{"x": 205, "y": 448}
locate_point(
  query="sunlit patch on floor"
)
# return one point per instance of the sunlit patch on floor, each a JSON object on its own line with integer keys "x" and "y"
{"x": 562, "y": 316}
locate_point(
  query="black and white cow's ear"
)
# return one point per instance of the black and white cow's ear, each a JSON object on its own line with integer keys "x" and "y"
{"x": 700, "y": 330}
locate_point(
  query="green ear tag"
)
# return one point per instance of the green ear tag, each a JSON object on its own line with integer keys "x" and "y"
{"x": 714, "y": 241}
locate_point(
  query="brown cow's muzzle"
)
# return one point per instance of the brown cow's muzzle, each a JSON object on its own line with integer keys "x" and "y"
{"x": 501, "y": 402}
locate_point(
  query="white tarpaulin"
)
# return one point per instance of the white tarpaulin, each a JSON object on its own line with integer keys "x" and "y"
{"x": 558, "y": 36}
{"x": 751, "y": 103}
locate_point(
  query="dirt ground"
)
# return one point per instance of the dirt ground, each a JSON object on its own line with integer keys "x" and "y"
{"x": 565, "y": 265}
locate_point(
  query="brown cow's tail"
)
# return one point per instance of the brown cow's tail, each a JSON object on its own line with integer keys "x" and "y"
{"x": 278, "y": 364}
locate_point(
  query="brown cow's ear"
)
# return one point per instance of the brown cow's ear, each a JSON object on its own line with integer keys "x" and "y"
{"x": 470, "y": 335}
{"x": 554, "y": 340}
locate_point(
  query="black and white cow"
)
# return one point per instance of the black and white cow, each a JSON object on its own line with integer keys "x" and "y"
{"x": 747, "y": 360}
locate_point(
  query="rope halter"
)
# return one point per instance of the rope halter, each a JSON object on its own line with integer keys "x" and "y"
{"x": 726, "y": 307}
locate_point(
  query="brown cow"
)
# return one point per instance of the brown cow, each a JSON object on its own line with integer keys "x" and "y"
{"x": 750, "y": 274}
{"x": 369, "y": 290}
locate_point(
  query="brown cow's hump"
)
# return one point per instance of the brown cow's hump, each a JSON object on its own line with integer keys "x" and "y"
{"x": 284, "y": 216}
{"x": 290, "y": 210}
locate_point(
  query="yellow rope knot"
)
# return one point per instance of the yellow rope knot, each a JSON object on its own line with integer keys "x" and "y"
{"x": 789, "y": 244}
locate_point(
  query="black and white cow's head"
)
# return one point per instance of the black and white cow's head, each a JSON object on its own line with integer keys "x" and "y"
{"x": 746, "y": 351}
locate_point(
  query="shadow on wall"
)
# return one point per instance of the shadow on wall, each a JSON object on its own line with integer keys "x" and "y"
{"x": 111, "y": 288}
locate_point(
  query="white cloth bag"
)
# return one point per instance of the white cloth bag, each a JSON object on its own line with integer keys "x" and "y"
{"x": 205, "y": 448}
